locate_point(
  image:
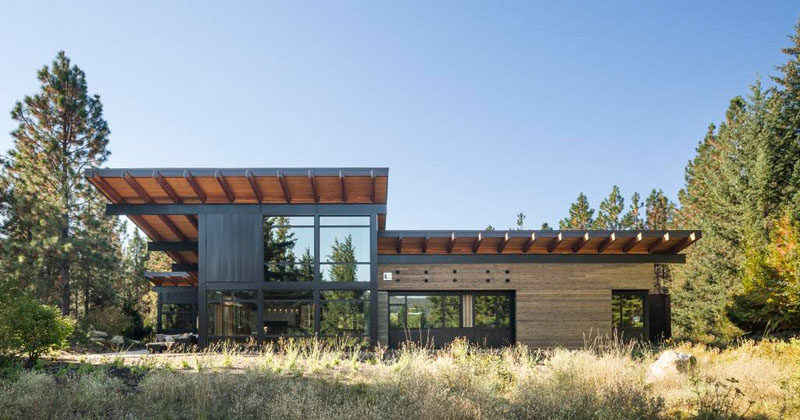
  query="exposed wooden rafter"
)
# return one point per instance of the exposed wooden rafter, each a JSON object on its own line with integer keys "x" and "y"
{"x": 660, "y": 241}
{"x": 286, "y": 194}
{"x": 223, "y": 184}
{"x": 555, "y": 242}
{"x": 187, "y": 175}
{"x": 425, "y": 243}
{"x": 632, "y": 242}
{"x": 104, "y": 186}
{"x": 503, "y": 243}
{"x": 692, "y": 238}
{"x": 452, "y": 243}
{"x": 372, "y": 186}
{"x": 313, "y": 186}
{"x": 477, "y": 244}
{"x": 162, "y": 182}
{"x": 606, "y": 243}
{"x": 529, "y": 243}
{"x": 254, "y": 187}
{"x": 343, "y": 184}
{"x": 581, "y": 242}
{"x": 400, "y": 244}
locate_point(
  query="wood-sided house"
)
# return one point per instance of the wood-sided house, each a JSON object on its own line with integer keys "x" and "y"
{"x": 267, "y": 253}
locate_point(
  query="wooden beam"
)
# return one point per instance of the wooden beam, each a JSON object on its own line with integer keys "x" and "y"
{"x": 104, "y": 186}
{"x": 162, "y": 182}
{"x": 425, "y": 243}
{"x": 606, "y": 243}
{"x": 660, "y": 241}
{"x": 503, "y": 244}
{"x": 224, "y": 185}
{"x": 152, "y": 233}
{"x": 400, "y": 244}
{"x": 184, "y": 267}
{"x": 692, "y": 238}
{"x": 344, "y": 187}
{"x": 477, "y": 244}
{"x": 254, "y": 186}
{"x": 581, "y": 243}
{"x": 313, "y": 186}
{"x": 452, "y": 243}
{"x": 529, "y": 243}
{"x": 137, "y": 188}
{"x": 632, "y": 242}
{"x": 187, "y": 175}
{"x": 286, "y": 195}
{"x": 191, "y": 219}
{"x": 171, "y": 226}
{"x": 555, "y": 242}
{"x": 372, "y": 187}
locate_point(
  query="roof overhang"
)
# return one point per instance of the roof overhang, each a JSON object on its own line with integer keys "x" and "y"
{"x": 171, "y": 278}
{"x": 536, "y": 242}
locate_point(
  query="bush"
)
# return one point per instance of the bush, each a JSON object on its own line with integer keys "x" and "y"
{"x": 30, "y": 329}
{"x": 109, "y": 319}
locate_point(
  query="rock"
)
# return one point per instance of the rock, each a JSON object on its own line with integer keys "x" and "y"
{"x": 117, "y": 340}
{"x": 136, "y": 342}
{"x": 97, "y": 340}
{"x": 670, "y": 363}
{"x": 97, "y": 334}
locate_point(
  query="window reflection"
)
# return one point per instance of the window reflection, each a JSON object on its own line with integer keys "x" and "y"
{"x": 426, "y": 311}
{"x": 344, "y": 312}
{"x": 350, "y": 244}
{"x": 288, "y": 248}
{"x": 627, "y": 310}
{"x": 492, "y": 311}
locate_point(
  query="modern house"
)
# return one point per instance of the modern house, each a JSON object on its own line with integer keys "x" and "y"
{"x": 266, "y": 253}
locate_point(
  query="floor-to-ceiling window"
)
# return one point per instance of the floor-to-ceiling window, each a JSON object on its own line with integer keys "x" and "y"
{"x": 317, "y": 272}
{"x": 629, "y": 313}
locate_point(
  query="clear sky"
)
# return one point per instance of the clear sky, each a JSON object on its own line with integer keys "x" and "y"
{"x": 479, "y": 109}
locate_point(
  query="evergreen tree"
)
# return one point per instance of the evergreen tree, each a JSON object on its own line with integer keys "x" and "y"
{"x": 633, "y": 218}
{"x": 659, "y": 210}
{"x": 580, "y": 215}
{"x": 520, "y": 221}
{"x": 609, "y": 215}
{"x": 60, "y": 132}
{"x": 545, "y": 226}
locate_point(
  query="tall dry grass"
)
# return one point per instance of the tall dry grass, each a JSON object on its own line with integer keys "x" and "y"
{"x": 315, "y": 379}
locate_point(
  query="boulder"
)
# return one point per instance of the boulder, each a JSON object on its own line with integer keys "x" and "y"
{"x": 670, "y": 363}
{"x": 98, "y": 340}
{"x": 97, "y": 334}
{"x": 117, "y": 340}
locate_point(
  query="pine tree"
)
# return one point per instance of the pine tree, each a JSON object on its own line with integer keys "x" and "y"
{"x": 60, "y": 132}
{"x": 580, "y": 215}
{"x": 609, "y": 214}
{"x": 520, "y": 222}
{"x": 659, "y": 210}
{"x": 633, "y": 218}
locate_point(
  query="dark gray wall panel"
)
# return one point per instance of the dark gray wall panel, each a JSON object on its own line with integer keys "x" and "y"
{"x": 232, "y": 248}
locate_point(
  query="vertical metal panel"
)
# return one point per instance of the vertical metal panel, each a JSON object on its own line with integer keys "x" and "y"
{"x": 202, "y": 308}
{"x": 383, "y": 318}
{"x": 233, "y": 248}
{"x": 373, "y": 281}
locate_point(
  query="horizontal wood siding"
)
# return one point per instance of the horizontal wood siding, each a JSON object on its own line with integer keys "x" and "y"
{"x": 556, "y": 304}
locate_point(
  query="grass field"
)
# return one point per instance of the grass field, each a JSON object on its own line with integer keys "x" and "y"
{"x": 317, "y": 381}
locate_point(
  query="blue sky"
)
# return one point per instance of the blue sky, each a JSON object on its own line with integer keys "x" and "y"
{"x": 479, "y": 109}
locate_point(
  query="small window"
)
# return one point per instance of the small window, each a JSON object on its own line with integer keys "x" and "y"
{"x": 492, "y": 311}
{"x": 627, "y": 309}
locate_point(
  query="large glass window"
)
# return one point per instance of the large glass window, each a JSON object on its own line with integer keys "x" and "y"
{"x": 288, "y": 249}
{"x": 627, "y": 309}
{"x": 425, "y": 311}
{"x": 344, "y": 312}
{"x": 344, "y": 248}
{"x": 232, "y": 313}
{"x": 177, "y": 317}
{"x": 288, "y": 313}
{"x": 492, "y": 311}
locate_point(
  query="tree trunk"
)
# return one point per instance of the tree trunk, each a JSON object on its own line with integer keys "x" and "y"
{"x": 64, "y": 275}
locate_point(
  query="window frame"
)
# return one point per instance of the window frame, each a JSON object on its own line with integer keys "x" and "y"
{"x": 642, "y": 331}
{"x": 255, "y": 333}
{"x": 444, "y": 305}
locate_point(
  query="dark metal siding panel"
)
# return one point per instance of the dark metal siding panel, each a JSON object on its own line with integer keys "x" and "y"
{"x": 233, "y": 248}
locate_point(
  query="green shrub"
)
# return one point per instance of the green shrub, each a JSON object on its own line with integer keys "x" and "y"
{"x": 30, "y": 329}
{"x": 109, "y": 319}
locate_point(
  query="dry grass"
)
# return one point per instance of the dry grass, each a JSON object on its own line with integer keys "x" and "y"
{"x": 318, "y": 380}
